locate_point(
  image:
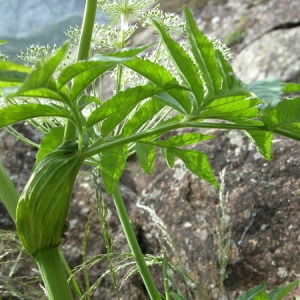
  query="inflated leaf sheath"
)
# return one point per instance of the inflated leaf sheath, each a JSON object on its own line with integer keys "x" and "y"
{"x": 44, "y": 203}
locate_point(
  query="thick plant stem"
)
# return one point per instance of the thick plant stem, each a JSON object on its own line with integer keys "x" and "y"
{"x": 8, "y": 193}
{"x": 53, "y": 274}
{"x": 83, "y": 50}
{"x": 134, "y": 246}
{"x": 87, "y": 29}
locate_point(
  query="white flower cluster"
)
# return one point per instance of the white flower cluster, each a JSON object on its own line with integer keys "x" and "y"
{"x": 37, "y": 53}
{"x": 219, "y": 45}
{"x": 170, "y": 21}
{"x": 130, "y": 9}
{"x": 3, "y": 56}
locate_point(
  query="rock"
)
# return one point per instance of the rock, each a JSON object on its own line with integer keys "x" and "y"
{"x": 44, "y": 22}
{"x": 271, "y": 56}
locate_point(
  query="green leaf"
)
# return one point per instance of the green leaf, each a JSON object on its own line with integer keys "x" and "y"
{"x": 169, "y": 157}
{"x": 34, "y": 93}
{"x": 197, "y": 162}
{"x": 290, "y": 87}
{"x": 232, "y": 108}
{"x": 122, "y": 101}
{"x": 261, "y": 296}
{"x": 284, "y": 117}
{"x": 12, "y": 74}
{"x": 204, "y": 54}
{"x": 250, "y": 294}
{"x": 230, "y": 80}
{"x": 85, "y": 100}
{"x": 184, "y": 64}
{"x": 262, "y": 140}
{"x": 112, "y": 166}
{"x": 85, "y": 72}
{"x": 182, "y": 140}
{"x": 268, "y": 90}
{"x": 169, "y": 100}
{"x": 157, "y": 74}
{"x": 11, "y": 66}
{"x": 143, "y": 114}
{"x": 279, "y": 293}
{"x": 15, "y": 113}
{"x": 111, "y": 122}
{"x": 50, "y": 142}
{"x": 3, "y": 42}
{"x": 146, "y": 156}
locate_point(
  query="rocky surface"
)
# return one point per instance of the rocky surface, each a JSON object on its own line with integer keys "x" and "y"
{"x": 33, "y": 21}
{"x": 263, "y": 197}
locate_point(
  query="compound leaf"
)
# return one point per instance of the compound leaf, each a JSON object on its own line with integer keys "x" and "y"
{"x": 184, "y": 64}
{"x": 122, "y": 102}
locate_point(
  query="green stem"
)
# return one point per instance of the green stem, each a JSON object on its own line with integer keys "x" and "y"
{"x": 8, "y": 193}
{"x": 118, "y": 141}
{"x": 134, "y": 246}
{"x": 87, "y": 29}
{"x": 73, "y": 283}
{"x": 53, "y": 274}
{"x": 83, "y": 50}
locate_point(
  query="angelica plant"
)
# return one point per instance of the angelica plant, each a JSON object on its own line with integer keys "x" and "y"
{"x": 186, "y": 84}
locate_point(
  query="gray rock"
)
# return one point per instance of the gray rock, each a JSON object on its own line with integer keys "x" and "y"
{"x": 275, "y": 54}
{"x": 34, "y": 21}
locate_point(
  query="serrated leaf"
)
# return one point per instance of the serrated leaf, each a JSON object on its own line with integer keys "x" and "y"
{"x": 85, "y": 72}
{"x": 112, "y": 166}
{"x": 146, "y": 156}
{"x": 279, "y": 293}
{"x": 250, "y": 294}
{"x": 49, "y": 142}
{"x": 34, "y": 93}
{"x": 143, "y": 114}
{"x": 204, "y": 54}
{"x": 157, "y": 74}
{"x": 170, "y": 101}
{"x": 183, "y": 140}
{"x": 122, "y": 101}
{"x": 15, "y": 113}
{"x": 284, "y": 117}
{"x": 184, "y": 64}
{"x": 262, "y": 140}
{"x": 231, "y": 108}
{"x": 197, "y": 162}
{"x": 268, "y": 90}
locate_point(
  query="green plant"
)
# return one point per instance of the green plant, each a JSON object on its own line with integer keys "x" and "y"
{"x": 189, "y": 85}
